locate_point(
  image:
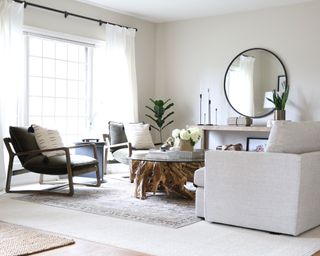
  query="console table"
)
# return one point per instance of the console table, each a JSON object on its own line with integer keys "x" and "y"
{"x": 229, "y": 128}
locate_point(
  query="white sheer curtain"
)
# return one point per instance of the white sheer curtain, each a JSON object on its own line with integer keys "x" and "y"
{"x": 114, "y": 82}
{"x": 246, "y": 80}
{"x": 11, "y": 73}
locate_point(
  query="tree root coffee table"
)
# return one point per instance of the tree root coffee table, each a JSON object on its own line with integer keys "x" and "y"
{"x": 152, "y": 174}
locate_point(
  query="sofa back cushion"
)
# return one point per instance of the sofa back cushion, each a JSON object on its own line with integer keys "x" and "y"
{"x": 294, "y": 137}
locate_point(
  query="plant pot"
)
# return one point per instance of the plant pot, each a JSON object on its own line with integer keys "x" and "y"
{"x": 279, "y": 114}
{"x": 185, "y": 145}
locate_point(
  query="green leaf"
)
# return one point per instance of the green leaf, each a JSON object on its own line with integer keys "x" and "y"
{"x": 167, "y": 124}
{"x": 155, "y": 120}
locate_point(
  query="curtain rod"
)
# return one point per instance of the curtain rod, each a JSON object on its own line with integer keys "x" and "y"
{"x": 66, "y": 14}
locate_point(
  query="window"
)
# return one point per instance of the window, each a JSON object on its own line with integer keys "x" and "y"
{"x": 59, "y": 85}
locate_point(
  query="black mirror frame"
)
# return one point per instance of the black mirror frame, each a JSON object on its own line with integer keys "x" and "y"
{"x": 225, "y": 77}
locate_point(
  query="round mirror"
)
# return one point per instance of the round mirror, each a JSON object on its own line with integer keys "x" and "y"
{"x": 250, "y": 79}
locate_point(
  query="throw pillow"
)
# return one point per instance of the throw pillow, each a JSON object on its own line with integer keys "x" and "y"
{"x": 139, "y": 136}
{"x": 48, "y": 139}
{"x": 294, "y": 137}
{"x": 116, "y": 132}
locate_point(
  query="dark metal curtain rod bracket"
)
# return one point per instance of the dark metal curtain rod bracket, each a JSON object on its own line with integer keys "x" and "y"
{"x": 66, "y": 14}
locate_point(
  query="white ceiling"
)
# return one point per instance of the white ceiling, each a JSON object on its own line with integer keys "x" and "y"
{"x": 173, "y": 10}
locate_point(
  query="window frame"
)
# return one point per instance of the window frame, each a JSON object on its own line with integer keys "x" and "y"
{"x": 65, "y": 38}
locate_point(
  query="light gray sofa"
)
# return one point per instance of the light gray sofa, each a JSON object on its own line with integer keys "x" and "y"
{"x": 277, "y": 190}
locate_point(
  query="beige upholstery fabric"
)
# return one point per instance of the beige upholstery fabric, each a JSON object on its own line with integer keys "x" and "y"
{"x": 276, "y": 192}
{"x": 199, "y": 183}
{"x": 48, "y": 139}
{"x": 139, "y": 135}
{"x": 294, "y": 137}
{"x": 199, "y": 177}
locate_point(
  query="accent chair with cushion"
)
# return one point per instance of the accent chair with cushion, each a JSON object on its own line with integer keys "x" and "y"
{"x": 40, "y": 151}
{"x": 125, "y": 139}
{"x": 275, "y": 191}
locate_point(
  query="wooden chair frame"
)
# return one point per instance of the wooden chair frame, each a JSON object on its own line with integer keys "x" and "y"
{"x": 70, "y": 172}
{"x": 106, "y": 139}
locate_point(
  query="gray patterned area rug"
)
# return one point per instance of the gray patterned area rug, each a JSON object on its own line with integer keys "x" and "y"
{"x": 115, "y": 199}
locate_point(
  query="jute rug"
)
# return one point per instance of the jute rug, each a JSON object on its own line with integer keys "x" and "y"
{"x": 115, "y": 199}
{"x": 19, "y": 240}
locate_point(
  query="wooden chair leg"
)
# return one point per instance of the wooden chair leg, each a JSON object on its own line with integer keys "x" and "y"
{"x": 98, "y": 184}
{"x": 9, "y": 174}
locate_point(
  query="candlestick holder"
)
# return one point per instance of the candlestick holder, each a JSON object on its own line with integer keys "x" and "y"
{"x": 200, "y": 109}
{"x": 209, "y": 111}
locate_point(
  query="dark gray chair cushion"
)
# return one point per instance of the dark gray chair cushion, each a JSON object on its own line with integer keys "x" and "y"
{"x": 116, "y": 134}
{"x": 23, "y": 141}
{"x": 56, "y": 165}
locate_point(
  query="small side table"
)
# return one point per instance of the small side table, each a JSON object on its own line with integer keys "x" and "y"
{"x": 88, "y": 152}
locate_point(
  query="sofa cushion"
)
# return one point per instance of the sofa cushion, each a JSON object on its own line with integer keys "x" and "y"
{"x": 294, "y": 137}
{"x": 199, "y": 177}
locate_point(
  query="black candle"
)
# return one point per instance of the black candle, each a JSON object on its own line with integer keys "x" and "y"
{"x": 200, "y": 108}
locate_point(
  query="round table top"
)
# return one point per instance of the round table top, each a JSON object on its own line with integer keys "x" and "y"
{"x": 169, "y": 156}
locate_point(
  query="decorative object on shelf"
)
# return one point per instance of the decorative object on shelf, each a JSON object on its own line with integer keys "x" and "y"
{"x": 240, "y": 121}
{"x": 230, "y": 147}
{"x": 159, "y": 109}
{"x": 209, "y": 108}
{"x": 216, "y": 117}
{"x": 200, "y": 109}
{"x": 256, "y": 144}
{"x": 186, "y": 138}
{"x": 279, "y": 99}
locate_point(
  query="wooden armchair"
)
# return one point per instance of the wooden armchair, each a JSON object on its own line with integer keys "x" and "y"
{"x": 23, "y": 145}
{"x": 122, "y": 149}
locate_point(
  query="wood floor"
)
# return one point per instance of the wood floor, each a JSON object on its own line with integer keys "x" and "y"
{"x": 88, "y": 248}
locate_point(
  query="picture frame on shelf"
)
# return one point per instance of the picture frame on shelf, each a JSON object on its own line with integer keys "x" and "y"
{"x": 255, "y": 144}
{"x": 281, "y": 79}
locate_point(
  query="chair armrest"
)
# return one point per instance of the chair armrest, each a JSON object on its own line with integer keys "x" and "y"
{"x": 124, "y": 145}
{"x": 106, "y": 137}
{"x": 66, "y": 149}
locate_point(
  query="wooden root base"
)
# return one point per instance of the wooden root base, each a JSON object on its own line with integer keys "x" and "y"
{"x": 151, "y": 176}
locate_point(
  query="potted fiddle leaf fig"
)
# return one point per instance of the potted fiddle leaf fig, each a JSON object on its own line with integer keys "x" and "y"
{"x": 160, "y": 116}
{"x": 279, "y": 99}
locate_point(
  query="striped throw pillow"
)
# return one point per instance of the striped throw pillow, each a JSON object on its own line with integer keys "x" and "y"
{"x": 139, "y": 135}
{"x": 48, "y": 139}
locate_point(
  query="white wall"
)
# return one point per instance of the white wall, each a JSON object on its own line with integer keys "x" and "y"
{"x": 175, "y": 60}
{"x": 145, "y": 37}
{"x": 194, "y": 54}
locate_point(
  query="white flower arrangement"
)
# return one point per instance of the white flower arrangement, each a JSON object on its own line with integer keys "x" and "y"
{"x": 192, "y": 134}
